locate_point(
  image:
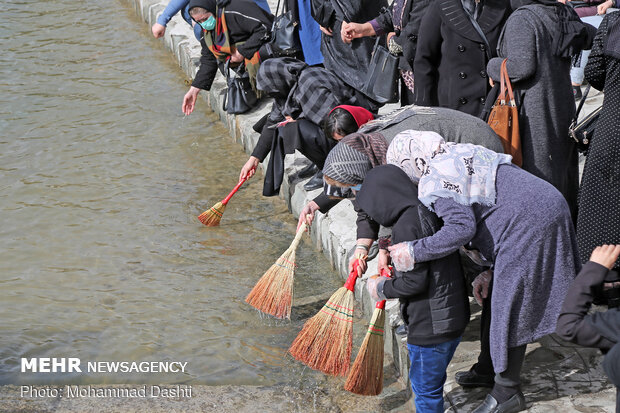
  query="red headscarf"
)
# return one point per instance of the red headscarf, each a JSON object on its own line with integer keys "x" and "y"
{"x": 360, "y": 114}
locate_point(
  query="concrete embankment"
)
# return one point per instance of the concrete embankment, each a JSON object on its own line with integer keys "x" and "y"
{"x": 556, "y": 375}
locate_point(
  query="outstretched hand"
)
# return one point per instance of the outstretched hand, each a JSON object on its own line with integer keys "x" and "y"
{"x": 249, "y": 169}
{"x": 158, "y": 30}
{"x": 189, "y": 100}
{"x": 606, "y": 255}
{"x": 307, "y": 214}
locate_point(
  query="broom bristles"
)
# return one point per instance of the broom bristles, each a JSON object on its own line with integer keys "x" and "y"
{"x": 326, "y": 339}
{"x": 366, "y": 375}
{"x": 212, "y": 216}
{"x": 273, "y": 293}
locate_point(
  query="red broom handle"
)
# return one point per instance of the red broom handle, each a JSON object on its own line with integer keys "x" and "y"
{"x": 384, "y": 273}
{"x": 235, "y": 189}
{"x": 350, "y": 284}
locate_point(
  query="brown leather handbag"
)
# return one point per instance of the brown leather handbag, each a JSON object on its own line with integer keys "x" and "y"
{"x": 504, "y": 118}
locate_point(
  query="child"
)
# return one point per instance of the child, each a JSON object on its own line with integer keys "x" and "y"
{"x": 433, "y": 297}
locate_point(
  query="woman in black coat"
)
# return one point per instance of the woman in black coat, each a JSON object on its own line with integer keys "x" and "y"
{"x": 451, "y": 58}
{"x": 401, "y": 22}
{"x": 232, "y": 31}
{"x": 598, "y": 220}
{"x": 348, "y": 61}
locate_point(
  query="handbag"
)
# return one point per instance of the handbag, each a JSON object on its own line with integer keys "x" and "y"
{"x": 284, "y": 38}
{"x": 582, "y": 132}
{"x": 239, "y": 97}
{"x": 381, "y": 84}
{"x": 504, "y": 118}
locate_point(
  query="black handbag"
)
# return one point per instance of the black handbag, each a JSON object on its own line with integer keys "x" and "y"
{"x": 239, "y": 97}
{"x": 284, "y": 37}
{"x": 581, "y": 132}
{"x": 381, "y": 84}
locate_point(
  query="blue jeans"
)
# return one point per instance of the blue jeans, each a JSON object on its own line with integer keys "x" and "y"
{"x": 428, "y": 374}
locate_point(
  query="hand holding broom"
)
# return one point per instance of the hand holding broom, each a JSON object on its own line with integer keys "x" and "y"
{"x": 366, "y": 375}
{"x": 273, "y": 293}
{"x": 212, "y": 216}
{"x": 326, "y": 339}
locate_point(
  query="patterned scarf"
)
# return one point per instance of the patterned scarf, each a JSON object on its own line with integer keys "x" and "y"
{"x": 463, "y": 172}
{"x": 354, "y": 156}
{"x": 218, "y": 41}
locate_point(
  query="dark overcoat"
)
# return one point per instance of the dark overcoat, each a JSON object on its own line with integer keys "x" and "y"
{"x": 598, "y": 221}
{"x": 451, "y": 57}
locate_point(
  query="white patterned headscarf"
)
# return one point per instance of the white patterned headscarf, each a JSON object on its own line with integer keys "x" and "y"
{"x": 461, "y": 171}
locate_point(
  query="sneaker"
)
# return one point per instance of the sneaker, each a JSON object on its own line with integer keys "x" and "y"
{"x": 577, "y": 92}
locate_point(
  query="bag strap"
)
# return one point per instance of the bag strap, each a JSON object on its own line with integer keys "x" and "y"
{"x": 581, "y": 102}
{"x": 506, "y": 86}
{"x": 480, "y": 32}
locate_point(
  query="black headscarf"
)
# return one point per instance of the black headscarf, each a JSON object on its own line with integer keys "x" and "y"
{"x": 571, "y": 35}
{"x": 386, "y": 192}
{"x": 390, "y": 198}
{"x": 208, "y": 5}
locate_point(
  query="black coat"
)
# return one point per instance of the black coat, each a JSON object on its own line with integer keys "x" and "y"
{"x": 247, "y": 23}
{"x": 433, "y": 296}
{"x": 407, "y": 36}
{"x": 347, "y": 61}
{"x": 451, "y": 58}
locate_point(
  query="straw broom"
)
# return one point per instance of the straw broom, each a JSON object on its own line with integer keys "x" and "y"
{"x": 326, "y": 339}
{"x": 366, "y": 375}
{"x": 273, "y": 293}
{"x": 212, "y": 216}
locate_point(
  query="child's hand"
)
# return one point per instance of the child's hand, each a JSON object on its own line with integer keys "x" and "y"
{"x": 606, "y": 255}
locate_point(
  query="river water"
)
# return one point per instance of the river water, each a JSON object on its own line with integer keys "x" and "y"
{"x": 101, "y": 255}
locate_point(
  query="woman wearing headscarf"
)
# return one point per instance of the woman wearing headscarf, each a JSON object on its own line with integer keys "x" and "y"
{"x": 348, "y": 61}
{"x": 538, "y": 40}
{"x": 515, "y": 220}
{"x": 455, "y": 42}
{"x": 303, "y": 97}
{"x": 401, "y": 23}
{"x": 369, "y": 145}
{"x": 232, "y": 30}
{"x": 433, "y": 297}
{"x": 598, "y": 221}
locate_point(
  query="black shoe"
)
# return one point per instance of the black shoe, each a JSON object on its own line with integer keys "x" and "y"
{"x": 515, "y": 404}
{"x": 315, "y": 182}
{"x": 577, "y": 92}
{"x": 305, "y": 172}
{"x": 470, "y": 378}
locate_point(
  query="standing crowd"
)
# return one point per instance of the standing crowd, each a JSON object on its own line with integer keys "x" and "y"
{"x": 429, "y": 181}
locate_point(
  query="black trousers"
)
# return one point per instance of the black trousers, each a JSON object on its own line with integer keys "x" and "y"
{"x": 516, "y": 355}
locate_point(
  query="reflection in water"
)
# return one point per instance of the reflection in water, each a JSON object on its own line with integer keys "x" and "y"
{"x": 102, "y": 256}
